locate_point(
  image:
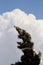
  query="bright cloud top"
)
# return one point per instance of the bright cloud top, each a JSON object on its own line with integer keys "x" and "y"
{"x": 23, "y": 20}
{"x": 20, "y": 18}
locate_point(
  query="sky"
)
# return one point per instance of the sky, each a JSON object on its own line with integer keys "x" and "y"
{"x": 27, "y": 14}
{"x": 29, "y": 6}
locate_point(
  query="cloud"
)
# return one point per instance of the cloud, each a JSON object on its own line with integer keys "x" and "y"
{"x": 8, "y": 35}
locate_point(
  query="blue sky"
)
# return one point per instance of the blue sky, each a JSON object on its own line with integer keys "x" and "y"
{"x": 29, "y": 6}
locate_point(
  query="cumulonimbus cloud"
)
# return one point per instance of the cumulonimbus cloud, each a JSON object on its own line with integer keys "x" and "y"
{"x": 26, "y": 21}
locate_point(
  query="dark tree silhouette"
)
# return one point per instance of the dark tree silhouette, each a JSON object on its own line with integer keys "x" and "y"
{"x": 30, "y": 57}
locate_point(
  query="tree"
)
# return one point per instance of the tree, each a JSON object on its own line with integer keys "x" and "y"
{"x": 30, "y": 57}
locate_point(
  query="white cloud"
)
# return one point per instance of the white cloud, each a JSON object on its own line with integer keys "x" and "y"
{"x": 8, "y": 33}
{"x": 1, "y": 34}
